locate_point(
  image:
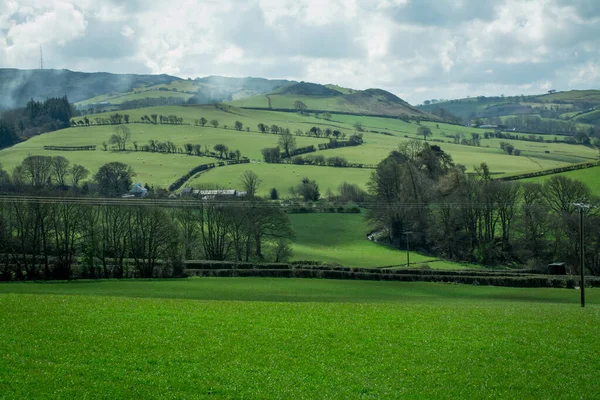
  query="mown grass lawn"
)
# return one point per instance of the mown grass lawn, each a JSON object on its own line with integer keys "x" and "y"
{"x": 293, "y": 338}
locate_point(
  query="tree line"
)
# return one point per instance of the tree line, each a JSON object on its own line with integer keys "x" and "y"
{"x": 34, "y": 119}
{"x": 473, "y": 218}
{"x": 66, "y": 238}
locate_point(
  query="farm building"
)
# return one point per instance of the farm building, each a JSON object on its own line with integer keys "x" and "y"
{"x": 211, "y": 194}
{"x": 138, "y": 190}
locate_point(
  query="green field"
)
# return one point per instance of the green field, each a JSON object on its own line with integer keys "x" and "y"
{"x": 161, "y": 170}
{"x": 174, "y": 89}
{"x": 292, "y": 338}
{"x": 589, "y": 176}
{"x": 332, "y": 98}
{"x": 342, "y": 239}
{"x": 573, "y": 95}
{"x": 282, "y": 177}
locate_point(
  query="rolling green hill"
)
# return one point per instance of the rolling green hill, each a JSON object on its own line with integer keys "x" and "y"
{"x": 562, "y": 107}
{"x": 380, "y": 135}
{"x": 333, "y": 98}
{"x": 201, "y": 90}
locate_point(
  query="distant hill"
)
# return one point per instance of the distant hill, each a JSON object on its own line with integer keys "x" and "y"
{"x": 112, "y": 90}
{"x": 332, "y": 98}
{"x": 565, "y": 106}
{"x": 19, "y": 86}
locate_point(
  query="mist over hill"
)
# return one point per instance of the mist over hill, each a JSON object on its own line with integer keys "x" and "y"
{"x": 17, "y": 87}
{"x": 105, "y": 92}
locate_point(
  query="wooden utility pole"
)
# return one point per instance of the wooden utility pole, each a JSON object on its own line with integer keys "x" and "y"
{"x": 581, "y": 207}
{"x": 407, "y": 249}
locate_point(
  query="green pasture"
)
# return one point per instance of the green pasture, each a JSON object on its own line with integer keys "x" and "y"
{"x": 589, "y": 176}
{"x": 149, "y": 94}
{"x": 154, "y": 169}
{"x": 175, "y": 89}
{"x": 592, "y": 117}
{"x": 342, "y": 239}
{"x": 293, "y": 338}
{"x": 287, "y": 101}
{"x": 360, "y": 103}
{"x": 160, "y": 169}
{"x": 572, "y": 95}
{"x": 282, "y": 177}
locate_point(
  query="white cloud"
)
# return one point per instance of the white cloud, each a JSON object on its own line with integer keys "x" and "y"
{"x": 583, "y": 74}
{"x": 419, "y": 48}
{"x": 127, "y": 31}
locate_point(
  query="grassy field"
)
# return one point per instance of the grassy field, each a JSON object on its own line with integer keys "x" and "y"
{"x": 588, "y": 176}
{"x": 174, "y": 89}
{"x": 160, "y": 169}
{"x": 289, "y": 338}
{"x": 282, "y": 177}
{"x": 342, "y": 239}
{"x": 332, "y": 98}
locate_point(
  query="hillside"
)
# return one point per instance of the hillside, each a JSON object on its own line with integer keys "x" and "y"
{"x": 567, "y": 111}
{"x": 208, "y": 90}
{"x": 380, "y": 135}
{"x": 19, "y": 86}
{"x": 332, "y": 98}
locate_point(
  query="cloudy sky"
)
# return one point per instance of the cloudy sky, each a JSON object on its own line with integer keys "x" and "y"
{"x": 417, "y": 49}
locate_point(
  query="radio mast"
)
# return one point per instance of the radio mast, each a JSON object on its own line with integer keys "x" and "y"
{"x": 41, "y": 58}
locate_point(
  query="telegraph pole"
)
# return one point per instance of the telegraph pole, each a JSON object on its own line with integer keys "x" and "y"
{"x": 581, "y": 207}
{"x": 407, "y": 248}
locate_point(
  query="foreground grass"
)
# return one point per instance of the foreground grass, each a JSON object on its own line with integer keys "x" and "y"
{"x": 287, "y": 338}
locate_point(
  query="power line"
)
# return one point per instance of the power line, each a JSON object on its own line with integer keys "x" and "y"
{"x": 187, "y": 202}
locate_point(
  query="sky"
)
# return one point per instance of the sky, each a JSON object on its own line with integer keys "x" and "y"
{"x": 416, "y": 49}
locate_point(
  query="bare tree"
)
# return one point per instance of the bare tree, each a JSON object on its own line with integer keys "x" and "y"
{"x": 78, "y": 173}
{"x": 251, "y": 182}
{"x": 65, "y": 218}
{"x": 214, "y": 231}
{"x": 561, "y": 192}
{"x": 187, "y": 222}
{"x": 151, "y": 237}
{"x": 287, "y": 142}
{"x": 424, "y": 131}
{"x": 34, "y": 170}
{"x": 121, "y": 137}
{"x": 60, "y": 170}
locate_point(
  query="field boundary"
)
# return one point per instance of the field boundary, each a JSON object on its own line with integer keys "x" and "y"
{"x": 204, "y": 167}
{"x": 71, "y": 148}
{"x": 552, "y": 171}
{"x": 515, "y": 280}
{"x": 401, "y": 117}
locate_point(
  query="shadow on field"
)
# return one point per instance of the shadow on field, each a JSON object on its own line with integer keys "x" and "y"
{"x": 298, "y": 290}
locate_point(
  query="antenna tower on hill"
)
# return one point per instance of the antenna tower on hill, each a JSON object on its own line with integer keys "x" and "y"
{"x": 41, "y": 58}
